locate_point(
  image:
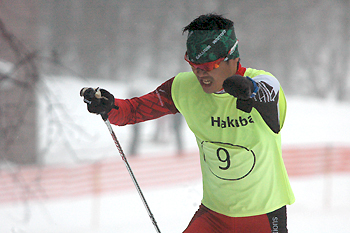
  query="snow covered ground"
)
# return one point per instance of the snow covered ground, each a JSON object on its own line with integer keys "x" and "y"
{"x": 317, "y": 209}
{"x": 322, "y": 201}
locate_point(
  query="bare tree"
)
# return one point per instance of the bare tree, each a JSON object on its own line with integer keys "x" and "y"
{"x": 17, "y": 101}
{"x": 323, "y": 57}
{"x": 341, "y": 53}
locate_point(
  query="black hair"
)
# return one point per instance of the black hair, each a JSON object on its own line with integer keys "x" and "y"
{"x": 209, "y": 21}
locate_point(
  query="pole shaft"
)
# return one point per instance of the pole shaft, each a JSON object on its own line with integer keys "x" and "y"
{"x": 116, "y": 142}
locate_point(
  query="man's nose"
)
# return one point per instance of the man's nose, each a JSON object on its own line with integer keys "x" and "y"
{"x": 200, "y": 72}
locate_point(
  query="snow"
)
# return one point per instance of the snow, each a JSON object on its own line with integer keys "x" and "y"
{"x": 322, "y": 201}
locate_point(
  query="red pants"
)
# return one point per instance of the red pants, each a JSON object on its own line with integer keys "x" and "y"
{"x": 208, "y": 221}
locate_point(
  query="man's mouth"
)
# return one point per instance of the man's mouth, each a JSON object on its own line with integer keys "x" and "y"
{"x": 207, "y": 84}
{"x": 206, "y": 81}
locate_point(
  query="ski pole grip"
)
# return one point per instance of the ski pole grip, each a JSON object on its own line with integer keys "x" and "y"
{"x": 89, "y": 94}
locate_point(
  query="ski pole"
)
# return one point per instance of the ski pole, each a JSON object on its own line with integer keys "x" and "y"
{"x": 116, "y": 142}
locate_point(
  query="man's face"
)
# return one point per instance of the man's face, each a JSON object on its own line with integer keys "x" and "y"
{"x": 211, "y": 81}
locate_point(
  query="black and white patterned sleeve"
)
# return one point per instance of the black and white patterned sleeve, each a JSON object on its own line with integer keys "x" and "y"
{"x": 265, "y": 101}
{"x": 268, "y": 88}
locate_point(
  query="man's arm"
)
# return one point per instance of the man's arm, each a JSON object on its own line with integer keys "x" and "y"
{"x": 147, "y": 107}
{"x": 266, "y": 101}
{"x": 261, "y": 92}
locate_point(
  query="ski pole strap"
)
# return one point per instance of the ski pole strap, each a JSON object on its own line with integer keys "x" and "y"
{"x": 256, "y": 88}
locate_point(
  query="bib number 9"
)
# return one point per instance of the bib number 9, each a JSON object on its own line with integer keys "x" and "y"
{"x": 226, "y": 158}
{"x": 227, "y": 161}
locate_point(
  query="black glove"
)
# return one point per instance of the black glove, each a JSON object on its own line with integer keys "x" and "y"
{"x": 98, "y": 101}
{"x": 239, "y": 86}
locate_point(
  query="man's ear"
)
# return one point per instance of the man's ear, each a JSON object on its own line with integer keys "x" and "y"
{"x": 234, "y": 62}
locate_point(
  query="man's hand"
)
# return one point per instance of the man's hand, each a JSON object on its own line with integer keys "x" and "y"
{"x": 239, "y": 86}
{"x": 98, "y": 101}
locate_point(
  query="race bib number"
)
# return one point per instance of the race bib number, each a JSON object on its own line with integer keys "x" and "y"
{"x": 227, "y": 161}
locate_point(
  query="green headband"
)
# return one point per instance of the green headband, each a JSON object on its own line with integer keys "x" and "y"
{"x": 209, "y": 45}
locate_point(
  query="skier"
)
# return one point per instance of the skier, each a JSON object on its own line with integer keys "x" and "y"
{"x": 236, "y": 115}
